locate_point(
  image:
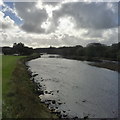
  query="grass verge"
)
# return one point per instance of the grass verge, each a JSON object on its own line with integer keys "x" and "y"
{"x": 20, "y": 100}
{"x": 108, "y": 65}
{"x": 8, "y": 66}
{"x": 0, "y": 86}
{"x": 98, "y": 62}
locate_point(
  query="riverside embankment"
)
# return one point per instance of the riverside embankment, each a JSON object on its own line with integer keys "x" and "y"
{"x": 19, "y": 94}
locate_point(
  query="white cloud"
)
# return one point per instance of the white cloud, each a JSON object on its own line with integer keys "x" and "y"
{"x": 8, "y": 25}
{"x": 89, "y": 15}
{"x": 60, "y": 24}
{"x": 1, "y": 2}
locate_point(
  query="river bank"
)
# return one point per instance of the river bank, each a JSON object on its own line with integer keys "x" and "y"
{"x": 108, "y": 65}
{"x": 21, "y": 101}
{"x": 98, "y": 62}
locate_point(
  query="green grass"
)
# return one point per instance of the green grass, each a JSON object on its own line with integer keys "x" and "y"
{"x": 19, "y": 98}
{"x": 107, "y": 65}
{"x": 0, "y": 77}
{"x": 0, "y": 86}
{"x": 8, "y": 65}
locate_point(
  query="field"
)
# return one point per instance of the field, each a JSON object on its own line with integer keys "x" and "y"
{"x": 0, "y": 86}
{"x": 19, "y": 98}
{"x": 8, "y": 65}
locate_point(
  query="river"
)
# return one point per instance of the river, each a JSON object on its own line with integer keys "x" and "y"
{"x": 78, "y": 89}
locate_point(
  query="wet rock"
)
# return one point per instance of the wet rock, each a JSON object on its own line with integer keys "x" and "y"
{"x": 58, "y": 113}
{"x": 42, "y": 101}
{"x": 52, "y": 110}
{"x": 32, "y": 79}
{"x": 59, "y": 103}
{"x": 49, "y": 92}
{"x": 60, "y": 116}
{"x": 75, "y": 118}
{"x": 64, "y": 115}
{"x": 53, "y": 102}
{"x": 39, "y": 92}
{"x": 84, "y": 100}
{"x": 86, "y": 117}
{"x": 29, "y": 73}
{"x": 39, "y": 86}
{"x": 48, "y": 100}
{"x": 46, "y": 92}
{"x": 48, "y": 103}
{"x": 34, "y": 75}
{"x": 64, "y": 111}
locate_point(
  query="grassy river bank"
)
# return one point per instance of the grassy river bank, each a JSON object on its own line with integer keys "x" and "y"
{"x": 98, "y": 62}
{"x": 18, "y": 91}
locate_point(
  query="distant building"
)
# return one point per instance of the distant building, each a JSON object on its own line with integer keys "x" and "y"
{"x": 1, "y": 53}
{"x": 16, "y": 54}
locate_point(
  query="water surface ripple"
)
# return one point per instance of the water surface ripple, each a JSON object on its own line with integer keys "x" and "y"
{"x": 77, "y": 88}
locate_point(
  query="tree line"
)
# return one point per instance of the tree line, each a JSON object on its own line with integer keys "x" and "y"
{"x": 93, "y": 51}
{"x": 17, "y": 49}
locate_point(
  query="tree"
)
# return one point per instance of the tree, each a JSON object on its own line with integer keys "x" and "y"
{"x": 21, "y": 49}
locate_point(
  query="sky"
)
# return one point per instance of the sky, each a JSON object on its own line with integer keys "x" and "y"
{"x": 63, "y": 23}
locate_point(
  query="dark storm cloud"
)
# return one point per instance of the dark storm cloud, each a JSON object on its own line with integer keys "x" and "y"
{"x": 86, "y": 15}
{"x": 32, "y": 16}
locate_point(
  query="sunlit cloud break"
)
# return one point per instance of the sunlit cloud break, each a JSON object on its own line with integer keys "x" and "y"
{"x": 63, "y": 23}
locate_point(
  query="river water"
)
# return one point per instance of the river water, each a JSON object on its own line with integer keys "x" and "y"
{"x": 78, "y": 89}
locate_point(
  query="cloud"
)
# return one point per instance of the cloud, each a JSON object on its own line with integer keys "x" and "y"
{"x": 32, "y": 16}
{"x": 44, "y": 17}
{"x": 1, "y": 2}
{"x": 62, "y": 24}
{"x": 7, "y": 9}
{"x": 90, "y": 15}
{"x": 7, "y": 24}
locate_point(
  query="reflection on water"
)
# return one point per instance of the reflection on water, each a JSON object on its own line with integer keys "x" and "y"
{"x": 77, "y": 88}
